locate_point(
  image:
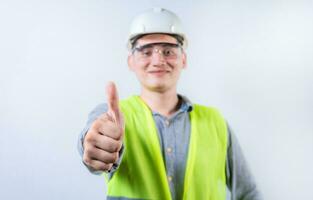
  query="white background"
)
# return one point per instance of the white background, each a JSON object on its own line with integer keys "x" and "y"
{"x": 251, "y": 59}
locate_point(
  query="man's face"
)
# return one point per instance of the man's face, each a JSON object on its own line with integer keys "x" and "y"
{"x": 157, "y": 62}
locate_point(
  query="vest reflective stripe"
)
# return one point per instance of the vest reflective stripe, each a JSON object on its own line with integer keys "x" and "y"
{"x": 142, "y": 174}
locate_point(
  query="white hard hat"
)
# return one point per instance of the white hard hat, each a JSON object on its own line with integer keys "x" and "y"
{"x": 156, "y": 20}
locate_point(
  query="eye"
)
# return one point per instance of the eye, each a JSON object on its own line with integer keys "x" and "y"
{"x": 168, "y": 52}
{"x": 146, "y": 52}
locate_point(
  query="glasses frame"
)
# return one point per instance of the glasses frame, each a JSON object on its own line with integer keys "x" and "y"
{"x": 164, "y": 44}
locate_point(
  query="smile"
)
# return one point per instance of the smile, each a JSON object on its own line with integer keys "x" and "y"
{"x": 158, "y": 72}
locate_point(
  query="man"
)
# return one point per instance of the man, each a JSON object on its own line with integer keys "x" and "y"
{"x": 159, "y": 145}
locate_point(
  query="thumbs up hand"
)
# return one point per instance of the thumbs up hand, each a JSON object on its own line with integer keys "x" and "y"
{"x": 104, "y": 139}
{"x": 113, "y": 105}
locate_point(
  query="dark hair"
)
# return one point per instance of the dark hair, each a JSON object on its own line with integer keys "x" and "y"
{"x": 133, "y": 41}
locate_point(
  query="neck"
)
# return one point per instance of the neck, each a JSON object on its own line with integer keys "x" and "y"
{"x": 164, "y": 103}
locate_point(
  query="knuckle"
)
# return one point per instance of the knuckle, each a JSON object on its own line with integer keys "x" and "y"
{"x": 106, "y": 157}
{"x": 86, "y": 160}
{"x": 113, "y": 146}
{"x": 110, "y": 146}
{"x": 117, "y": 132}
{"x": 109, "y": 158}
{"x": 117, "y": 146}
{"x": 95, "y": 124}
{"x": 120, "y": 144}
{"x": 89, "y": 138}
{"x": 115, "y": 157}
{"x": 109, "y": 166}
{"x": 89, "y": 152}
{"x": 105, "y": 167}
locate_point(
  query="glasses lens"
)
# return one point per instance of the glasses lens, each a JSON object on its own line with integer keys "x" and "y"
{"x": 168, "y": 50}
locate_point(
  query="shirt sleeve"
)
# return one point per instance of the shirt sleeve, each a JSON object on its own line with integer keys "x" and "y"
{"x": 93, "y": 115}
{"x": 240, "y": 180}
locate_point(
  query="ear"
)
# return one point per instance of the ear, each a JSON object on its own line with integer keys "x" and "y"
{"x": 184, "y": 60}
{"x": 130, "y": 61}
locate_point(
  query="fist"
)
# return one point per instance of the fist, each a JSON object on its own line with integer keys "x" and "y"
{"x": 104, "y": 139}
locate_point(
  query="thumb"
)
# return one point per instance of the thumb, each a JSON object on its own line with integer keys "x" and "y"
{"x": 113, "y": 101}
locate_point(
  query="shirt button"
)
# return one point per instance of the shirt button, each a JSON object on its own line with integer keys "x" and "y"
{"x": 169, "y": 178}
{"x": 169, "y": 150}
{"x": 167, "y": 122}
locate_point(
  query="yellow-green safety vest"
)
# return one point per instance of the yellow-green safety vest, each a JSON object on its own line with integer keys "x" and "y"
{"x": 142, "y": 173}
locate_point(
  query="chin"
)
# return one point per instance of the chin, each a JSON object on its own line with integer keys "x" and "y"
{"x": 161, "y": 87}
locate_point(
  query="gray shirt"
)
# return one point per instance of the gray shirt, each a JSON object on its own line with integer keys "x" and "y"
{"x": 174, "y": 133}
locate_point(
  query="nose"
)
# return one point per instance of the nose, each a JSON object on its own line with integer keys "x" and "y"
{"x": 157, "y": 58}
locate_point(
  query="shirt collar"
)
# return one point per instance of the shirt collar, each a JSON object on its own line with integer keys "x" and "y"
{"x": 185, "y": 106}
